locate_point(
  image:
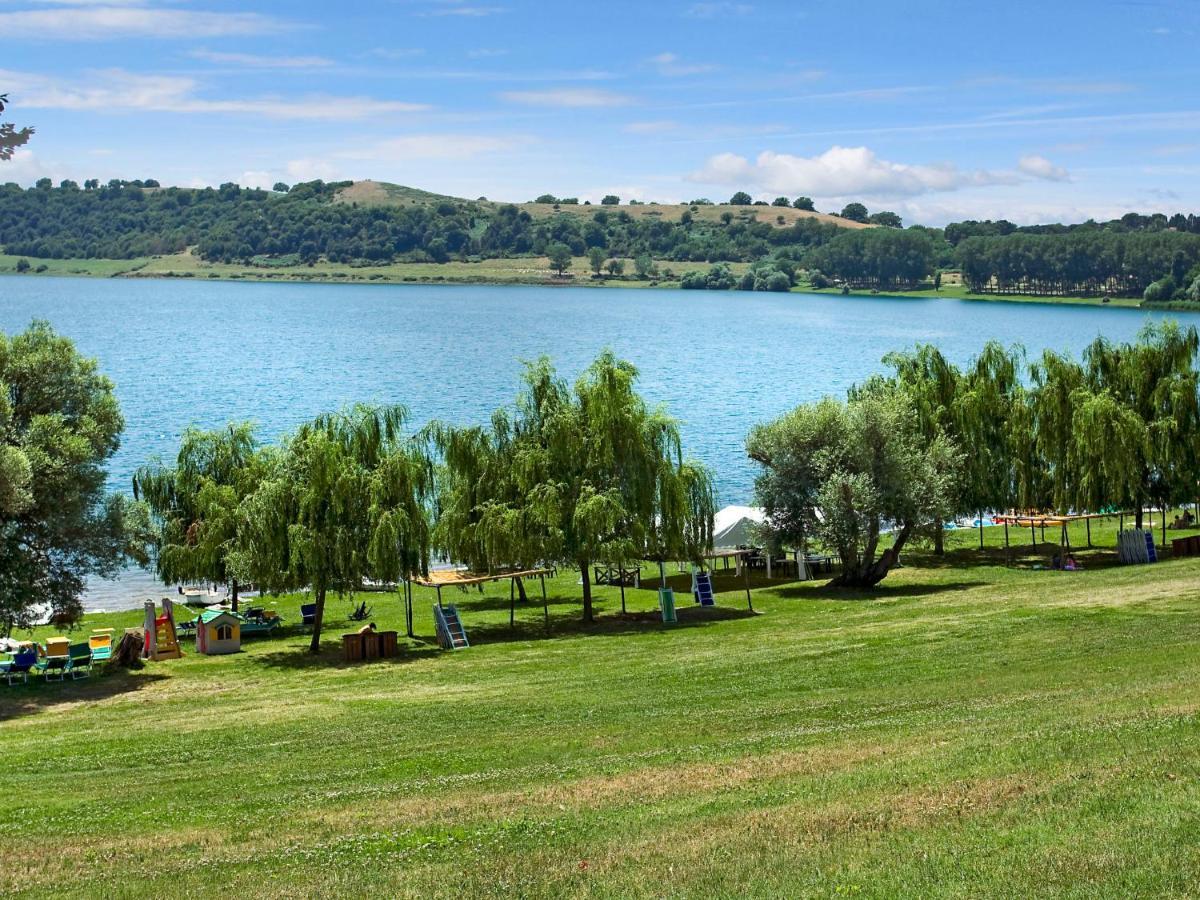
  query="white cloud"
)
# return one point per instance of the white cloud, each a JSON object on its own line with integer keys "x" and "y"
{"x": 257, "y": 61}
{"x": 570, "y": 98}
{"x": 841, "y": 172}
{"x": 378, "y": 159}
{"x": 661, "y": 126}
{"x": 89, "y": 22}
{"x": 24, "y": 168}
{"x": 671, "y": 66}
{"x": 256, "y": 179}
{"x": 310, "y": 169}
{"x": 459, "y": 8}
{"x": 434, "y": 146}
{"x": 115, "y": 90}
{"x": 1039, "y": 167}
{"x": 397, "y": 52}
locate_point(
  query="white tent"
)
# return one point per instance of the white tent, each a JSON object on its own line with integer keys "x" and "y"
{"x": 734, "y": 526}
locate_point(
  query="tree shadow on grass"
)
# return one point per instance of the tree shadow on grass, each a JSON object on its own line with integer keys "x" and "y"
{"x": 1017, "y": 557}
{"x": 38, "y": 695}
{"x": 883, "y": 591}
{"x": 298, "y": 656}
{"x": 571, "y": 625}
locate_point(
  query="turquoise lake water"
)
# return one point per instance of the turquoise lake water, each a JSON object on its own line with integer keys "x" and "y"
{"x": 185, "y": 352}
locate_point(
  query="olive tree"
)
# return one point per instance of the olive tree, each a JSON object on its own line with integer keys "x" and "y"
{"x": 844, "y": 473}
{"x": 59, "y": 425}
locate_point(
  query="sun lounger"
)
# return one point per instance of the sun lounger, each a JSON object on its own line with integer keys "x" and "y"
{"x": 19, "y": 666}
{"x": 79, "y": 661}
{"x": 101, "y": 645}
{"x": 54, "y": 668}
{"x": 308, "y": 613}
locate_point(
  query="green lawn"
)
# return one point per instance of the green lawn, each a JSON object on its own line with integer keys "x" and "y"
{"x": 971, "y": 729}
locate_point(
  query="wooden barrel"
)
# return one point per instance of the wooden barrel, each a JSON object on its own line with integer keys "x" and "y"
{"x": 387, "y": 644}
{"x": 352, "y": 647}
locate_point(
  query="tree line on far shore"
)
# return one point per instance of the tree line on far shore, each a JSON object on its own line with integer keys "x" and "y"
{"x": 577, "y": 474}
{"x": 1155, "y": 257}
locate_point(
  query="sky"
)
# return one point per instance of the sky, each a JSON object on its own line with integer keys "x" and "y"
{"x": 1059, "y": 110}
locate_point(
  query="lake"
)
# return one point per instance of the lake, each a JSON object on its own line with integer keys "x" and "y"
{"x": 206, "y": 352}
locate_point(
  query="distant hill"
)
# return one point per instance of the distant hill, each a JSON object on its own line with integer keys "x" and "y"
{"x": 382, "y": 193}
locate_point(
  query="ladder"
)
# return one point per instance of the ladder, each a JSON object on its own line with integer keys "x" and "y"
{"x": 450, "y": 632}
{"x": 704, "y": 589}
{"x": 1151, "y": 556}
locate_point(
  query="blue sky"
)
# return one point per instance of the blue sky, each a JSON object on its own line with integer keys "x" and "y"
{"x": 939, "y": 110}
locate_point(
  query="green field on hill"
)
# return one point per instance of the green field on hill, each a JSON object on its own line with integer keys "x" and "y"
{"x": 519, "y": 270}
{"x": 980, "y": 725}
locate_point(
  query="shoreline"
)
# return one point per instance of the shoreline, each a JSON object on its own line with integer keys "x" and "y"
{"x": 509, "y": 274}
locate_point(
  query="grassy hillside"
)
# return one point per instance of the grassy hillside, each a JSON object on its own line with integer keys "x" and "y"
{"x": 970, "y": 729}
{"x": 382, "y": 193}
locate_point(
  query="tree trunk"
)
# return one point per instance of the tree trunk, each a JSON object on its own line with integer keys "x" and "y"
{"x": 587, "y": 591}
{"x": 233, "y": 595}
{"x": 869, "y": 574}
{"x": 939, "y": 537}
{"x": 981, "y": 529}
{"x": 1137, "y": 522}
{"x": 521, "y": 590}
{"x": 318, "y": 616}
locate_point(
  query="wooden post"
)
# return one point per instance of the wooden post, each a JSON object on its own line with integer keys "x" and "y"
{"x": 545, "y": 605}
{"x": 662, "y": 574}
{"x": 512, "y": 608}
{"x": 1033, "y": 535}
{"x": 622, "y": 579}
{"x": 981, "y": 529}
{"x": 746, "y": 573}
{"x": 1089, "y": 532}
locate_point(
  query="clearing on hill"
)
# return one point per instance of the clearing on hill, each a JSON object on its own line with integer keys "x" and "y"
{"x": 382, "y": 193}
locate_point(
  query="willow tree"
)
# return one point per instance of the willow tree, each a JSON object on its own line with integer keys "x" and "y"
{"x": 1119, "y": 429}
{"x": 194, "y": 503}
{"x": 575, "y": 475}
{"x": 343, "y": 500}
{"x": 931, "y": 383}
{"x": 992, "y": 430}
{"x": 845, "y": 472}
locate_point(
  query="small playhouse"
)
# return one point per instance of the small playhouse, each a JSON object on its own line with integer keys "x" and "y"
{"x": 218, "y": 631}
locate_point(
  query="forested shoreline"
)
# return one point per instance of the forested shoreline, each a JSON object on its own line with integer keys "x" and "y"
{"x": 1153, "y": 257}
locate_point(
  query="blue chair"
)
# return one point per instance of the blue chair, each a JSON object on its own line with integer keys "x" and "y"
{"x": 308, "y": 614}
{"x": 19, "y": 666}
